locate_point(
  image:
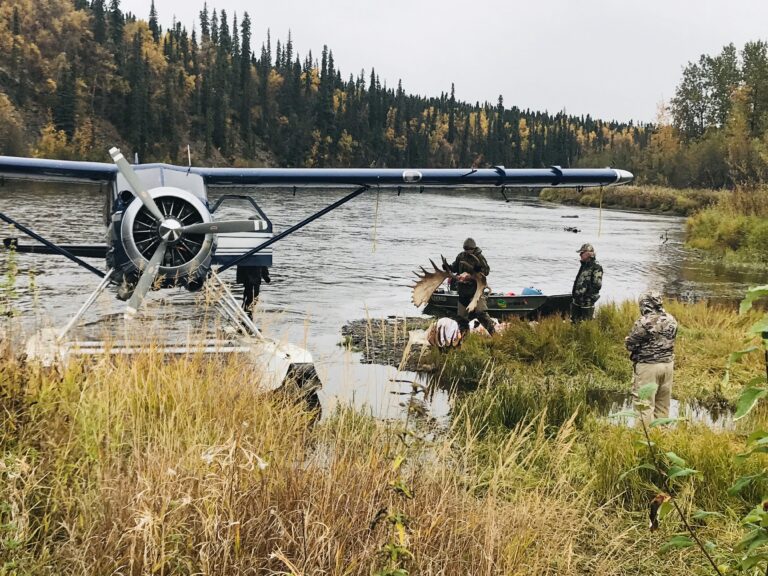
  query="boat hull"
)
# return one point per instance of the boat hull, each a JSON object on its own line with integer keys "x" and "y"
{"x": 445, "y": 302}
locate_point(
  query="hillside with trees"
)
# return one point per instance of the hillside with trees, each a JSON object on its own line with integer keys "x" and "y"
{"x": 78, "y": 76}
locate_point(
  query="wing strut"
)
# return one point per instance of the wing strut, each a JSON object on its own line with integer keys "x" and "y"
{"x": 295, "y": 227}
{"x": 51, "y": 245}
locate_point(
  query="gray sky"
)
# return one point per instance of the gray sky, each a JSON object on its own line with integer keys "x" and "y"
{"x": 613, "y": 59}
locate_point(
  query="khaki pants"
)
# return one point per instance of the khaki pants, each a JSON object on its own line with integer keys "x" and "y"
{"x": 661, "y": 374}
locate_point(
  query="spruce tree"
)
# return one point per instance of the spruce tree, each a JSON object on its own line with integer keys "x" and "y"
{"x": 225, "y": 40}
{"x": 18, "y": 69}
{"x": 136, "y": 116}
{"x": 451, "y": 115}
{"x": 154, "y": 27}
{"x": 64, "y": 112}
{"x": 215, "y": 28}
{"x": 205, "y": 31}
{"x": 246, "y": 90}
{"x": 116, "y": 29}
{"x": 16, "y": 22}
{"x": 99, "y": 21}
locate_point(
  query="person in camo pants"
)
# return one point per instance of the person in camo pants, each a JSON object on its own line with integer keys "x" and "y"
{"x": 651, "y": 345}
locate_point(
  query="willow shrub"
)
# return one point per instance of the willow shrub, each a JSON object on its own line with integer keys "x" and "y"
{"x": 735, "y": 228}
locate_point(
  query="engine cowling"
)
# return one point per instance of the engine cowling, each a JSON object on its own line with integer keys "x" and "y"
{"x": 187, "y": 257}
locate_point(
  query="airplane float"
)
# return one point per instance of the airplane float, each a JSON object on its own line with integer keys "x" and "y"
{"x": 162, "y": 232}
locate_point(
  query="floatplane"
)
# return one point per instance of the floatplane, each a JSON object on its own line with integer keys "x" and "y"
{"x": 162, "y": 232}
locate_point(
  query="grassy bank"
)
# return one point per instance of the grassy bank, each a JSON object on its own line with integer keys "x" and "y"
{"x": 736, "y": 228}
{"x": 732, "y": 226}
{"x": 646, "y": 198}
{"x": 554, "y": 362}
{"x": 177, "y": 466}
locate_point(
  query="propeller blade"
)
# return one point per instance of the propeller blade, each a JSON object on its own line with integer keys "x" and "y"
{"x": 225, "y": 226}
{"x": 145, "y": 281}
{"x": 136, "y": 184}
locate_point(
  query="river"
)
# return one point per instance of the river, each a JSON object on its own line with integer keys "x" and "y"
{"x": 357, "y": 262}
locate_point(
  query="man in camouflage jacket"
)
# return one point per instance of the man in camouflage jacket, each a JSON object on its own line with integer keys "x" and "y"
{"x": 471, "y": 261}
{"x": 651, "y": 345}
{"x": 586, "y": 287}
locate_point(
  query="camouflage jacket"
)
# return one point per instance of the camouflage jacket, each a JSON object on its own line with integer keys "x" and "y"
{"x": 652, "y": 338}
{"x": 589, "y": 280}
{"x": 471, "y": 261}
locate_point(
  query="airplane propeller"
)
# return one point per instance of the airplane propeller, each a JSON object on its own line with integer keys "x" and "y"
{"x": 136, "y": 184}
{"x": 146, "y": 280}
{"x": 225, "y": 227}
{"x": 169, "y": 231}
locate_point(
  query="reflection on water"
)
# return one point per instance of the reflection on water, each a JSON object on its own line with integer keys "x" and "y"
{"x": 604, "y": 403}
{"x": 357, "y": 262}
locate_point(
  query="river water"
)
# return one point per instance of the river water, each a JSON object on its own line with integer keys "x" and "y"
{"x": 357, "y": 262}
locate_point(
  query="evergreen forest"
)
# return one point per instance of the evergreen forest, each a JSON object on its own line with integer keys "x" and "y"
{"x": 78, "y": 76}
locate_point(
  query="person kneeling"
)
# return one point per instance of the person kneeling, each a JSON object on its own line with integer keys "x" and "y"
{"x": 447, "y": 333}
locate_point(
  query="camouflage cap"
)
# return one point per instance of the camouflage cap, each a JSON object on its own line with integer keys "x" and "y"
{"x": 586, "y": 248}
{"x": 470, "y": 244}
{"x": 650, "y": 301}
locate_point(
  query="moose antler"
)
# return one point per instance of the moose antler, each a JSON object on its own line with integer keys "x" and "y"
{"x": 429, "y": 281}
{"x": 481, "y": 286}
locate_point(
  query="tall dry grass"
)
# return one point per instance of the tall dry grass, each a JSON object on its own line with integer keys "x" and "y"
{"x": 155, "y": 465}
{"x": 180, "y": 465}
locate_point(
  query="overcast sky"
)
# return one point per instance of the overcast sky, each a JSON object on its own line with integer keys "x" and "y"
{"x": 613, "y": 59}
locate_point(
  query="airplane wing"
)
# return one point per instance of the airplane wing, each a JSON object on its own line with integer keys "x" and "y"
{"x": 66, "y": 170}
{"x": 454, "y": 177}
{"x": 13, "y": 167}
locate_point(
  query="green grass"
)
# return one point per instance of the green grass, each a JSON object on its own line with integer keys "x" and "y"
{"x": 555, "y": 361}
{"x": 735, "y": 229}
{"x": 644, "y": 198}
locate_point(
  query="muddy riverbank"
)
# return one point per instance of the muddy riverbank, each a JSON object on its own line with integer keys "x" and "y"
{"x": 388, "y": 341}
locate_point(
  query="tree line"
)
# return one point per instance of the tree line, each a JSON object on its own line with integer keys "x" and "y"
{"x": 77, "y": 76}
{"x": 715, "y": 133}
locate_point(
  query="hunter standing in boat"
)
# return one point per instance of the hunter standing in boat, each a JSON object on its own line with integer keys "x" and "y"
{"x": 586, "y": 287}
{"x": 471, "y": 261}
